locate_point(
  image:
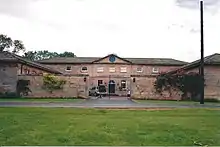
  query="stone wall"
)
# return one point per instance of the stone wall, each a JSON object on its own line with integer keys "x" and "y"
{"x": 143, "y": 88}
{"x": 74, "y": 87}
{"x": 8, "y": 77}
{"x": 212, "y": 82}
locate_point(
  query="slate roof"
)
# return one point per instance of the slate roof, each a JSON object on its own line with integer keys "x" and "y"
{"x": 10, "y": 57}
{"x": 213, "y": 59}
{"x": 89, "y": 60}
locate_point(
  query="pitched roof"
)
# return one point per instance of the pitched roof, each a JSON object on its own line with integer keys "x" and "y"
{"x": 89, "y": 60}
{"x": 213, "y": 59}
{"x": 10, "y": 57}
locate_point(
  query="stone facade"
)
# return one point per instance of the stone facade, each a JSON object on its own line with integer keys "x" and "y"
{"x": 8, "y": 77}
{"x": 212, "y": 80}
{"x": 74, "y": 87}
{"x": 120, "y": 71}
{"x": 80, "y": 77}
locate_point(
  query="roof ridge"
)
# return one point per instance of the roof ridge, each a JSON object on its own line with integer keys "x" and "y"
{"x": 209, "y": 60}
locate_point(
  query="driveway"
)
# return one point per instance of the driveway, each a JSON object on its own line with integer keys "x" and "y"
{"x": 113, "y": 102}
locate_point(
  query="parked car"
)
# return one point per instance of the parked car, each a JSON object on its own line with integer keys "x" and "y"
{"x": 98, "y": 90}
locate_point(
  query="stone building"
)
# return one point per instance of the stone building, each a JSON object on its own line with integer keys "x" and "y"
{"x": 13, "y": 66}
{"x": 211, "y": 74}
{"x": 118, "y": 74}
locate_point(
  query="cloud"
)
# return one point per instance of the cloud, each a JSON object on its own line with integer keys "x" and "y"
{"x": 17, "y": 8}
{"x": 211, "y": 6}
{"x": 128, "y": 28}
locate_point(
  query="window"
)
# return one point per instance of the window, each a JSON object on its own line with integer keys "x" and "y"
{"x": 139, "y": 69}
{"x": 123, "y": 69}
{"x": 26, "y": 71}
{"x": 123, "y": 84}
{"x": 155, "y": 70}
{"x": 111, "y": 69}
{"x": 68, "y": 68}
{"x": 84, "y": 69}
{"x": 100, "y": 69}
{"x": 100, "y": 82}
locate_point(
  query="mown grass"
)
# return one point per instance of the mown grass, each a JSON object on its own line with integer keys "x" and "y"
{"x": 40, "y": 100}
{"x": 71, "y": 126}
{"x": 175, "y": 102}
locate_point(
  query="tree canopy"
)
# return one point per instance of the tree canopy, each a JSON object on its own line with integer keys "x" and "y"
{"x": 7, "y": 44}
{"x": 45, "y": 54}
{"x": 15, "y": 46}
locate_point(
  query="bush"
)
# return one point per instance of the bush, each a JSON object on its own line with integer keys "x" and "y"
{"x": 9, "y": 95}
{"x": 188, "y": 83}
{"x": 51, "y": 83}
{"x": 22, "y": 87}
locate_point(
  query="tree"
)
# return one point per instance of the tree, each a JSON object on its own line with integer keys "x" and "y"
{"x": 6, "y": 43}
{"x": 45, "y": 54}
{"x": 66, "y": 54}
{"x": 31, "y": 55}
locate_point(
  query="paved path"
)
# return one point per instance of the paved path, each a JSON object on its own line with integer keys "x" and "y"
{"x": 102, "y": 103}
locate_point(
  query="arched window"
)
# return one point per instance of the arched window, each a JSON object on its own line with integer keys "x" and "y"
{"x": 84, "y": 69}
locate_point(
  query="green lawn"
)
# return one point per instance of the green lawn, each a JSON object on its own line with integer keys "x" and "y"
{"x": 175, "y": 102}
{"x": 39, "y": 100}
{"x": 70, "y": 126}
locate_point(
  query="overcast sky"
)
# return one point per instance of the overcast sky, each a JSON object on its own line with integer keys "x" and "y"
{"x": 128, "y": 28}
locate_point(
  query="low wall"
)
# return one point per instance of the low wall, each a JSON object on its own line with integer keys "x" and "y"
{"x": 74, "y": 87}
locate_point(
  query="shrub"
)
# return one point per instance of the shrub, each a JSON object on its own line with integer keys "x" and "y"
{"x": 51, "y": 83}
{"x": 22, "y": 87}
{"x": 9, "y": 95}
{"x": 187, "y": 83}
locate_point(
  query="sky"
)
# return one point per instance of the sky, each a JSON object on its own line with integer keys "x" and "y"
{"x": 128, "y": 28}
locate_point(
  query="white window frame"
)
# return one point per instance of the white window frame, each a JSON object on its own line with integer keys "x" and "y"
{"x": 124, "y": 81}
{"x": 155, "y": 70}
{"x": 140, "y": 70}
{"x": 84, "y": 70}
{"x": 123, "y": 69}
{"x": 112, "y": 69}
{"x": 100, "y": 69}
{"x": 68, "y": 69}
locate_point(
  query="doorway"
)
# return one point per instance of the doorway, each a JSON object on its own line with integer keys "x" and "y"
{"x": 111, "y": 86}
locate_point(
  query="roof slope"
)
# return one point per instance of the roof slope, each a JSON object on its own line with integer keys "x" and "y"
{"x": 213, "y": 59}
{"x": 89, "y": 60}
{"x": 7, "y": 56}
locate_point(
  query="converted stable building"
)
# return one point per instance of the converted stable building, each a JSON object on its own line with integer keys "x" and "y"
{"x": 118, "y": 74}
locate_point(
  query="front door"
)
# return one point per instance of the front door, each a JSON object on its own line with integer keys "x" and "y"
{"x": 111, "y": 86}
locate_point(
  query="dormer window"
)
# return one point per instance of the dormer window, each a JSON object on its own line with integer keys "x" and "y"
{"x": 84, "y": 69}
{"x": 68, "y": 68}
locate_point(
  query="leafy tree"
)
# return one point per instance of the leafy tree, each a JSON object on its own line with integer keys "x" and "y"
{"x": 45, "y": 54}
{"x": 66, "y": 54}
{"x": 6, "y": 43}
{"x": 31, "y": 55}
